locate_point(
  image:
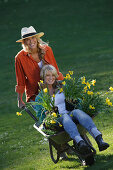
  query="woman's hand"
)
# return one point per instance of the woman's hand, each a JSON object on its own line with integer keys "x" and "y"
{"x": 21, "y": 104}
{"x": 20, "y": 101}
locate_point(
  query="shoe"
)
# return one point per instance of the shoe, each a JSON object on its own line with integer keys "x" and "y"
{"x": 101, "y": 144}
{"x": 83, "y": 147}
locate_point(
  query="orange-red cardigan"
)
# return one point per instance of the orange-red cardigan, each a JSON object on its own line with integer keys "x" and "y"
{"x": 28, "y": 72}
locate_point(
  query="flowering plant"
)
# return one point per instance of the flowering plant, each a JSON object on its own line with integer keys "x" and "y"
{"x": 47, "y": 102}
{"x": 80, "y": 92}
{"x": 51, "y": 122}
{"x": 90, "y": 101}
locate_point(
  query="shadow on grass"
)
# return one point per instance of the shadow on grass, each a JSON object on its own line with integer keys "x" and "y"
{"x": 102, "y": 162}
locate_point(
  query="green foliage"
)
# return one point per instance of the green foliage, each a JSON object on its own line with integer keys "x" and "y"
{"x": 46, "y": 101}
{"x": 72, "y": 88}
{"x": 90, "y": 101}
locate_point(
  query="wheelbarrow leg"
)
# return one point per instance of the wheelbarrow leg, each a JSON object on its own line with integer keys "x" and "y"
{"x": 51, "y": 145}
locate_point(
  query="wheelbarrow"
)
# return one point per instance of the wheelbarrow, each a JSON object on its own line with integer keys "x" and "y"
{"x": 61, "y": 142}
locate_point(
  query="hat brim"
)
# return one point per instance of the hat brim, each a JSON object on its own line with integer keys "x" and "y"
{"x": 37, "y": 35}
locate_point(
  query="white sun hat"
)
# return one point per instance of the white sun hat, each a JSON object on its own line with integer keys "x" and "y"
{"x": 29, "y": 32}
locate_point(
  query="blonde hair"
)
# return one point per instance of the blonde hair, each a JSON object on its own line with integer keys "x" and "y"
{"x": 43, "y": 74}
{"x": 46, "y": 68}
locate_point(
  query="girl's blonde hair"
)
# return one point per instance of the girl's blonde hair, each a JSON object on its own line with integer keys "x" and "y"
{"x": 46, "y": 68}
{"x": 43, "y": 74}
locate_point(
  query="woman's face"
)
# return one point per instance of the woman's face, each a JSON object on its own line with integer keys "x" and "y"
{"x": 31, "y": 42}
{"x": 50, "y": 78}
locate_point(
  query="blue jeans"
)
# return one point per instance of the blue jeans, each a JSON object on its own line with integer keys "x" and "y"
{"x": 84, "y": 119}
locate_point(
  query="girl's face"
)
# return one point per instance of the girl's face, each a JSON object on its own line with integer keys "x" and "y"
{"x": 31, "y": 42}
{"x": 50, "y": 78}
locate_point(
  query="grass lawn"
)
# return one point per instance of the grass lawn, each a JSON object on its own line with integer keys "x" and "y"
{"x": 81, "y": 36}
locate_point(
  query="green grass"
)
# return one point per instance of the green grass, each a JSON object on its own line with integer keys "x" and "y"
{"x": 81, "y": 36}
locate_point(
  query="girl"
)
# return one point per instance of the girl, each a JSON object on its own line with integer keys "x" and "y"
{"x": 49, "y": 77}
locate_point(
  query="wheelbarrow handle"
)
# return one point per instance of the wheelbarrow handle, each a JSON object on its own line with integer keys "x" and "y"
{"x": 29, "y": 112}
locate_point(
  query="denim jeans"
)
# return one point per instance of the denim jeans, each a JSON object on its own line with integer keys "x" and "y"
{"x": 84, "y": 119}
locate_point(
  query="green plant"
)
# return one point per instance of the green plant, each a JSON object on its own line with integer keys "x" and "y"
{"x": 90, "y": 101}
{"x": 77, "y": 91}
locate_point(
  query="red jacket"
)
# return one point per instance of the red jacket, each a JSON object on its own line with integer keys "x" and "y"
{"x": 28, "y": 72}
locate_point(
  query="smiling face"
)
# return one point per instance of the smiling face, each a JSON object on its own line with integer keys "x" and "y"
{"x": 31, "y": 42}
{"x": 50, "y": 78}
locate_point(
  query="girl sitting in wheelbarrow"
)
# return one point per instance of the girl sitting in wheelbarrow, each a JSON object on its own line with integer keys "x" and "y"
{"x": 68, "y": 118}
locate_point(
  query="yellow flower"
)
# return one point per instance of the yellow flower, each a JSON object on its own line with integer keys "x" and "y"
{"x": 71, "y": 72}
{"x": 90, "y": 93}
{"x": 64, "y": 83}
{"x": 41, "y": 81}
{"x": 60, "y": 125}
{"x": 85, "y": 89}
{"x": 52, "y": 122}
{"x": 88, "y": 85}
{"x": 98, "y": 93}
{"x": 61, "y": 90}
{"x": 45, "y": 90}
{"x": 18, "y": 114}
{"x": 91, "y": 107}
{"x": 93, "y": 82}
{"x": 53, "y": 95}
{"x": 111, "y": 88}
{"x": 68, "y": 76}
{"x": 108, "y": 102}
{"x": 54, "y": 114}
{"x": 83, "y": 80}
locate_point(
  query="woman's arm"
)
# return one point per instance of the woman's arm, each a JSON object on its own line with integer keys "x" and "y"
{"x": 49, "y": 57}
{"x": 20, "y": 78}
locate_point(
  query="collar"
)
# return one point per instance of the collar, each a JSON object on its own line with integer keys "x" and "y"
{"x": 26, "y": 53}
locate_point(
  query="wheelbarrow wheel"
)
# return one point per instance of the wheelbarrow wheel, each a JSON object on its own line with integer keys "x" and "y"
{"x": 55, "y": 154}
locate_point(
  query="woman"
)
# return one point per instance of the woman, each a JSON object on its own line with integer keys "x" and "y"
{"x": 49, "y": 76}
{"x": 29, "y": 61}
